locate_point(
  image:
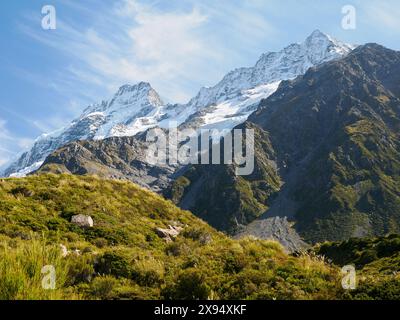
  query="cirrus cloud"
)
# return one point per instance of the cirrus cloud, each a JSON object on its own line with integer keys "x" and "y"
{"x": 178, "y": 49}
{"x": 9, "y": 144}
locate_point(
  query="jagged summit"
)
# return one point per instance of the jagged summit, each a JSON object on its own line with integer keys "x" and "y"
{"x": 289, "y": 63}
{"x": 136, "y": 108}
{"x": 114, "y": 117}
{"x": 130, "y": 88}
{"x": 142, "y": 89}
{"x": 317, "y": 35}
{"x": 127, "y": 95}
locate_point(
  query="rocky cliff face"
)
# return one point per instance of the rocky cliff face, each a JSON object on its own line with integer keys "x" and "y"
{"x": 122, "y": 158}
{"x": 134, "y": 109}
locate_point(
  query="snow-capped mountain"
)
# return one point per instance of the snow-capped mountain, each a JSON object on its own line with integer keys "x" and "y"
{"x": 272, "y": 67}
{"x": 116, "y": 117}
{"x": 120, "y": 116}
{"x": 134, "y": 109}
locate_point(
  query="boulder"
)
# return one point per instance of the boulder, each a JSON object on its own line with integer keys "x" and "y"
{"x": 82, "y": 221}
{"x": 170, "y": 233}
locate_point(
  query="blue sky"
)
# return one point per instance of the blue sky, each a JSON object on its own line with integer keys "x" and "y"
{"x": 47, "y": 77}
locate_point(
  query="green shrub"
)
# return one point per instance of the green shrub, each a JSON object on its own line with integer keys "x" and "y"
{"x": 198, "y": 234}
{"x": 80, "y": 269}
{"x": 177, "y": 248}
{"x": 102, "y": 287}
{"x": 235, "y": 262}
{"x": 112, "y": 263}
{"x": 148, "y": 273}
{"x": 100, "y": 242}
{"x": 190, "y": 285}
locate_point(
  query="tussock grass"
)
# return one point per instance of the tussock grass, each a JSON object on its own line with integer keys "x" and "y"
{"x": 21, "y": 274}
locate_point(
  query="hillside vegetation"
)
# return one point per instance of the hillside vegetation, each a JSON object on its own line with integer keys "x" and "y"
{"x": 122, "y": 257}
{"x": 377, "y": 263}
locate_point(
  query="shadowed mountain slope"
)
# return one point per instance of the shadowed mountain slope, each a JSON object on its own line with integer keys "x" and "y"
{"x": 327, "y": 152}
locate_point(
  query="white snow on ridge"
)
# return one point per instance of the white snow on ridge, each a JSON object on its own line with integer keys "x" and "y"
{"x": 134, "y": 109}
{"x": 233, "y": 112}
{"x": 287, "y": 64}
{"x": 25, "y": 171}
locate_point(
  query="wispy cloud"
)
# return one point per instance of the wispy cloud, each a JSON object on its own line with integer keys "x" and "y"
{"x": 43, "y": 125}
{"x": 383, "y": 15}
{"x": 139, "y": 43}
{"x": 9, "y": 144}
{"x": 177, "y": 49}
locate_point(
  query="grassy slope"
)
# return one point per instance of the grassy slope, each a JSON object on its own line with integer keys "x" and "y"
{"x": 377, "y": 263}
{"x": 123, "y": 258}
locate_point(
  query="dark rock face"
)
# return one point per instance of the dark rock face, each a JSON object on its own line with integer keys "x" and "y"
{"x": 223, "y": 199}
{"x": 327, "y": 155}
{"x": 336, "y": 132}
{"x": 115, "y": 158}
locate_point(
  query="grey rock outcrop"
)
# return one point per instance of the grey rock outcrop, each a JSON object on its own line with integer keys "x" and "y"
{"x": 169, "y": 234}
{"x": 82, "y": 221}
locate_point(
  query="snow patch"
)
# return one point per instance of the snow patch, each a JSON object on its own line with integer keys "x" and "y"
{"x": 25, "y": 171}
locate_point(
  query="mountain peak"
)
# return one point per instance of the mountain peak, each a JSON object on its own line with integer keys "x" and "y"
{"x": 133, "y": 88}
{"x": 322, "y": 40}
{"x": 136, "y": 95}
{"x": 318, "y": 34}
